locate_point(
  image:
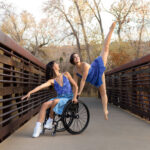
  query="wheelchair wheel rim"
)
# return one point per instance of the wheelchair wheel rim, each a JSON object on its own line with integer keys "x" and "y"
{"x": 79, "y": 118}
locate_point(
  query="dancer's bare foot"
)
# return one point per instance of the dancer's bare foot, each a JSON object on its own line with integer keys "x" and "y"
{"x": 113, "y": 26}
{"x": 106, "y": 114}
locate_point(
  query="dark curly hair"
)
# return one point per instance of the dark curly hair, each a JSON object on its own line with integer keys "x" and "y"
{"x": 72, "y": 58}
{"x": 50, "y": 73}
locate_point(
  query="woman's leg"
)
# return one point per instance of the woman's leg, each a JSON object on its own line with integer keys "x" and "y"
{"x": 38, "y": 127}
{"x": 105, "y": 49}
{"x": 55, "y": 102}
{"x": 48, "y": 124}
{"x": 43, "y": 109}
{"x": 102, "y": 90}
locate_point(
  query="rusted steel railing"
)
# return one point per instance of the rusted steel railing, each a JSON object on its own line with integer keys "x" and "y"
{"x": 19, "y": 72}
{"x": 128, "y": 86}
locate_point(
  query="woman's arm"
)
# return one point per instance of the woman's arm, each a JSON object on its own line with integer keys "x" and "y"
{"x": 84, "y": 76}
{"x": 75, "y": 77}
{"x": 38, "y": 88}
{"x": 74, "y": 85}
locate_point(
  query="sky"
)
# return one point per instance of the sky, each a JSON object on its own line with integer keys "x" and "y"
{"x": 32, "y": 6}
{"x": 35, "y": 8}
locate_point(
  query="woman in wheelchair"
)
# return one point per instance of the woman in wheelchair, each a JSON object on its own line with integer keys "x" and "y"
{"x": 61, "y": 83}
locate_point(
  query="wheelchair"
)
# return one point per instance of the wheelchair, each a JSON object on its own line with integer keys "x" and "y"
{"x": 74, "y": 119}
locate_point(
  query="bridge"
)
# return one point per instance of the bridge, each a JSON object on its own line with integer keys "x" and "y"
{"x": 128, "y": 89}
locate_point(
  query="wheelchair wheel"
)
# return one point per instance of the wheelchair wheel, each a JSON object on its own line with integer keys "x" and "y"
{"x": 75, "y": 117}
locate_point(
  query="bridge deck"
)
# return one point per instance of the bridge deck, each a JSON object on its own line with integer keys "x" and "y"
{"x": 121, "y": 132}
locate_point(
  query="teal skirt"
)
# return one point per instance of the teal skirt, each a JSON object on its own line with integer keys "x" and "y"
{"x": 58, "y": 109}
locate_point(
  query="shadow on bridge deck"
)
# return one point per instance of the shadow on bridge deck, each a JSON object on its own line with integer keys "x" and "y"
{"x": 121, "y": 132}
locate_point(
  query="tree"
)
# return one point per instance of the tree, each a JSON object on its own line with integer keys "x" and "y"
{"x": 83, "y": 29}
{"x": 137, "y": 30}
{"x": 23, "y": 29}
{"x": 97, "y": 13}
{"x": 17, "y": 25}
{"x": 120, "y": 54}
{"x": 57, "y": 7}
{"x": 121, "y": 11}
{"x": 142, "y": 14}
{"x": 41, "y": 36}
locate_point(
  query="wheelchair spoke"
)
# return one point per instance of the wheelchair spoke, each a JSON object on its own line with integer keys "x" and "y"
{"x": 80, "y": 123}
{"x": 82, "y": 116}
{"x": 81, "y": 108}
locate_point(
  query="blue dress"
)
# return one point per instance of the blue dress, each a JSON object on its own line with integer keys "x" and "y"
{"x": 64, "y": 94}
{"x": 95, "y": 72}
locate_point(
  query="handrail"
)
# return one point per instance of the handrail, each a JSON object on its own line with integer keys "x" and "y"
{"x": 12, "y": 45}
{"x": 20, "y": 72}
{"x": 128, "y": 86}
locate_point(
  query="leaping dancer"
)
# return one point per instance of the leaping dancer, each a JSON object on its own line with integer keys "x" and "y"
{"x": 94, "y": 73}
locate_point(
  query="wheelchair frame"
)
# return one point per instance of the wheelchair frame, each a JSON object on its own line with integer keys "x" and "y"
{"x": 71, "y": 114}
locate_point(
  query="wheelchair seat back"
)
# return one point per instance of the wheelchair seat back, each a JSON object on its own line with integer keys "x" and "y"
{"x": 73, "y": 108}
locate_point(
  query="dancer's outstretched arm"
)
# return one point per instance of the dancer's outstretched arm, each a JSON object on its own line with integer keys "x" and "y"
{"x": 38, "y": 88}
{"x": 83, "y": 80}
{"x": 105, "y": 48}
{"x": 75, "y": 77}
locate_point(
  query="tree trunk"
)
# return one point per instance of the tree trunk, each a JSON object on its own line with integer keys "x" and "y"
{"x": 99, "y": 20}
{"x": 140, "y": 40}
{"x": 83, "y": 30}
{"x": 119, "y": 32}
{"x": 74, "y": 32}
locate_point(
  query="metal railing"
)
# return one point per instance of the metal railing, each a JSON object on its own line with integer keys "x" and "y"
{"x": 19, "y": 72}
{"x": 128, "y": 87}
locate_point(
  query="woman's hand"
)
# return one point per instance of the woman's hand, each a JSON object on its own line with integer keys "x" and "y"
{"x": 74, "y": 100}
{"x": 38, "y": 88}
{"x": 26, "y": 96}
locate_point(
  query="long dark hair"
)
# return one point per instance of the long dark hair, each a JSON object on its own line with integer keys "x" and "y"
{"x": 72, "y": 58}
{"x": 50, "y": 73}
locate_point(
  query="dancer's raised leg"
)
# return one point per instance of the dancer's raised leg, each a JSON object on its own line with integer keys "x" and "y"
{"x": 105, "y": 49}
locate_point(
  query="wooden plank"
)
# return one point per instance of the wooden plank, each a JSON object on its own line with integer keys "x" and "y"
{"x": 38, "y": 72}
{"x": 5, "y": 60}
{"x": 10, "y": 90}
{"x": 9, "y": 61}
{"x": 13, "y": 101}
{"x": 12, "y": 126}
